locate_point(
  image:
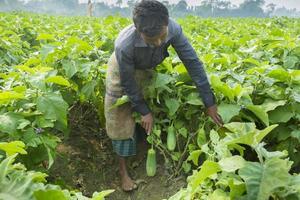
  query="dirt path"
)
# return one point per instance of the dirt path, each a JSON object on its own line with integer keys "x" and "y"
{"x": 86, "y": 162}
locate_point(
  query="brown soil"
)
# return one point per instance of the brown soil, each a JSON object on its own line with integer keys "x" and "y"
{"x": 86, "y": 162}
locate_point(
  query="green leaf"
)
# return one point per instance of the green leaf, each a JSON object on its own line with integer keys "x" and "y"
{"x": 5, "y": 167}
{"x": 246, "y": 133}
{"x": 7, "y": 96}
{"x": 201, "y": 137}
{"x": 237, "y": 188}
{"x": 70, "y": 68}
{"x": 53, "y": 107}
{"x": 38, "y": 81}
{"x": 50, "y": 195}
{"x": 194, "y": 99}
{"x": 289, "y": 62}
{"x": 15, "y": 183}
{"x": 260, "y": 134}
{"x": 240, "y": 127}
{"x": 260, "y": 113}
{"x": 280, "y": 74}
{"x": 88, "y": 89}
{"x": 208, "y": 168}
{"x": 25, "y": 68}
{"x": 295, "y": 74}
{"x": 102, "y": 194}
{"x": 120, "y": 101}
{"x": 227, "y": 111}
{"x": 296, "y": 134}
{"x": 46, "y": 50}
{"x": 50, "y": 143}
{"x": 172, "y": 105}
{"x": 9, "y": 122}
{"x": 44, "y": 123}
{"x": 45, "y": 36}
{"x": 218, "y": 194}
{"x": 162, "y": 80}
{"x": 269, "y": 104}
{"x": 281, "y": 114}
{"x": 252, "y": 61}
{"x": 262, "y": 180}
{"x": 31, "y": 138}
{"x": 183, "y": 132}
{"x": 232, "y": 164}
{"x": 12, "y": 148}
{"x": 194, "y": 156}
{"x": 186, "y": 167}
{"x": 58, "y": 80}
{"x": 262, "y": 152}
{"x": 23, "y": 123}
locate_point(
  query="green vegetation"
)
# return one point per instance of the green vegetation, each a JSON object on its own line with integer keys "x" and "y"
{"x": 48, "y": 64}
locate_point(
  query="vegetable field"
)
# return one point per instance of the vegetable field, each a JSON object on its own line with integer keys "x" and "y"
{"x": 50, "y": 66}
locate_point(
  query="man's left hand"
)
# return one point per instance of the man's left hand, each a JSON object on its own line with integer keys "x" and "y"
{"x": 212, "y": 111}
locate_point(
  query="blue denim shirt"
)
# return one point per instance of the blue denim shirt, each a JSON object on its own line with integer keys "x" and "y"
{"x": 133, "y": 53}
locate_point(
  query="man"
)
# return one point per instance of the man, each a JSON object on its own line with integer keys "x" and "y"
{"x": 90, "y": 8}
{"x": 138, "y": 49}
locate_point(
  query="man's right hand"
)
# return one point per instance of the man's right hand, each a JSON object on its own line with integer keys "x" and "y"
{"x": 147, "y": 122}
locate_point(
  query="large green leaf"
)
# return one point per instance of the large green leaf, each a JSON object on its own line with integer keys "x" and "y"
{"x": 227, "y": 111}
{"x": 295, "y": 74}
{"x": 280, "y": 74}
{"x": 194, "y": 99}
{"x": 9, "y": 122}
{"x": 208, "y": 168}
{"x": 162, "y": 79}
{"x": 53, "y": 107}
{"x": 172, "y": 105}
{"x": 15, "y": 184}
{"x": 237, "y": 188}
{"x": 246, "y": 133}
{"x": 88, "y": 89}
{"x": 70, "y": 68}
{"x": 50, "y": 195}
{"x": 260, "y": 113}
{"x": 58, "y": 80}
{"x": 240, "y": 127}
{"x": 13, "y": 147}
{"x": 269, "y": 104}
{"x": 7, "y": 96}
{"x": 281, "y": 114}
{"x": 232, "y": 164}
{"x": 218, "y": 194}
{"x": 262, "y": 180}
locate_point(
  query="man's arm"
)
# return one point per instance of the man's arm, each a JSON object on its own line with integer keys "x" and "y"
{"x": 128, "y": 82}
{"x": 195, "y": 68}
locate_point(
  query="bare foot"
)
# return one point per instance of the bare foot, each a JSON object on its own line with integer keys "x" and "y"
{"x": 128, "y": 184}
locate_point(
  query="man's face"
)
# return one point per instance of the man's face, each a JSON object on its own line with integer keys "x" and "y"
{"x": 156, "y": 40}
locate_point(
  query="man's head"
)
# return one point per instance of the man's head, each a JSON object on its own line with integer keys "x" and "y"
{"x": 151, "y": 20}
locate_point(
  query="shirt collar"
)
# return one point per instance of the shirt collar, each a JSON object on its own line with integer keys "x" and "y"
{"x": 139, "y": 42}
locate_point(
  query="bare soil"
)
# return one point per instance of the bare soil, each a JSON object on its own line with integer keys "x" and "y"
{"x": 85, "y": 162}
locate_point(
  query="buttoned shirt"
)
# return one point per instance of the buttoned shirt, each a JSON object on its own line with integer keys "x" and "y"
{"x": 133, "y": 53}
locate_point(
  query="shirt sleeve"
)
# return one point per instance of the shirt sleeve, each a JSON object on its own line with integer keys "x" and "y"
{"x": 128, "y": 82}
{"x": 193, "y": 65}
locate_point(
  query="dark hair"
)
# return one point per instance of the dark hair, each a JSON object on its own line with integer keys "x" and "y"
{"x": 149, "y": 16}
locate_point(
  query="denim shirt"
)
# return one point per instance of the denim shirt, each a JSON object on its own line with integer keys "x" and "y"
{"x": 133, "y": 53}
